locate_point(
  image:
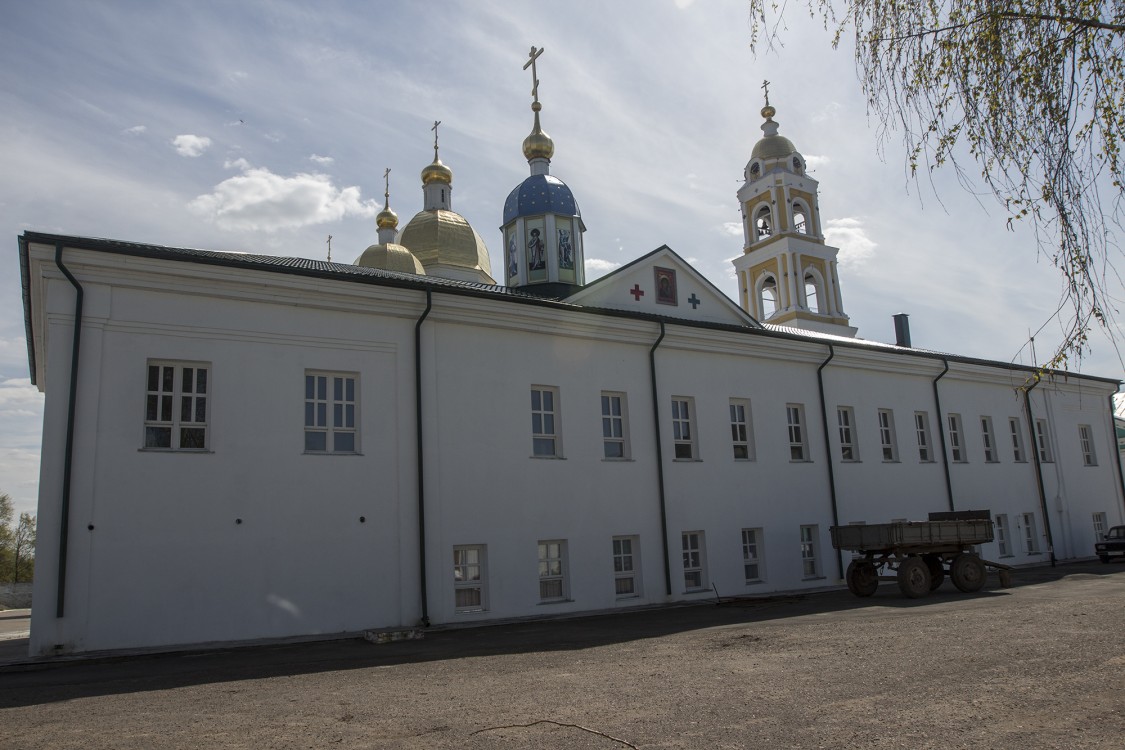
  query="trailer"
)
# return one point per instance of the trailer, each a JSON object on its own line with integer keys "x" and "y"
{"x": 919, "y": 553}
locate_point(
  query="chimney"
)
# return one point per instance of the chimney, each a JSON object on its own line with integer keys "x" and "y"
{"x": 902, "y": 330}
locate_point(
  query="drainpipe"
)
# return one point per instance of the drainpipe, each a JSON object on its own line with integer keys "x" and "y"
{"x": 660, "y": 462}
{"x": 68, "y": 455}
{"x": 828, "y": 451}
{"x": 941, "y": 436}
{"x": 1038, "y": 468}
{"x": 1116, "y": 452}
{"x": 419, "y": 456}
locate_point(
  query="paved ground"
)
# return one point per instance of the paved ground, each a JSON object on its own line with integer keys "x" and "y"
{"x": 1041, "y": 665}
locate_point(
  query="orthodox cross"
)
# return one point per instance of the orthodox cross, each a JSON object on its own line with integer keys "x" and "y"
{"x": 329, "y": 248}
{"x": 694, "y": 301}
{"x": 532, "y": 57}
{"x": 637, "y": 292}
{"x": 387, "y": 184}
{"x": 766, "y": 88}
{"x": 434, "y": 128}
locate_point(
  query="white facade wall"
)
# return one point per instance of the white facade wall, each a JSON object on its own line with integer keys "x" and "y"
{"x": 168, "y": 563}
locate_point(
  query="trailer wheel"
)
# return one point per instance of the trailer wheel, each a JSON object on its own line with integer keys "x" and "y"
{"x": 862, "y": 577}
{"x": 914, "y": 577}
{"x": 967, "y": 572}
{"x": 937, "y": 572}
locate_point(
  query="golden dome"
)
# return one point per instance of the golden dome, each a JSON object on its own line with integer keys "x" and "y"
{"x": 390, "y": 257}
{"x": 444, "y": 237}
{"x": 538, "y": 145}
{"x": 773, "y": 147}
{"x": 437, "y": 172}
{"x": 386, "y": 219}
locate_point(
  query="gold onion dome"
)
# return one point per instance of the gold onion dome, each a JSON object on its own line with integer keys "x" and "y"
{"x": 386, "y": 219}
{"x": 390, "y": 257}
{"x": 538, "y": 145}
{"x": 436, "y": 172}
{"x": 444, "y": 237}
{"x": 772, "y": 145}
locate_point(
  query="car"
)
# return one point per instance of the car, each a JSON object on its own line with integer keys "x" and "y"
{"x": 1112, "y": 544}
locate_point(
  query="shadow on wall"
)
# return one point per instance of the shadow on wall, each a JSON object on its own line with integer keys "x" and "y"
{"x": 15, "y": 595}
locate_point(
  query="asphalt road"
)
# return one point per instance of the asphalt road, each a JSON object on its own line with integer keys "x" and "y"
{"x": 1040, "y": 665}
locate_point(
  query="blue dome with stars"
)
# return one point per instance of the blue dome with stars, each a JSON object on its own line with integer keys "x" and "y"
{"x": 540, "y": 194}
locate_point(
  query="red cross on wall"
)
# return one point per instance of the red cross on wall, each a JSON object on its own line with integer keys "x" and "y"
{"x": 637, "y": 292}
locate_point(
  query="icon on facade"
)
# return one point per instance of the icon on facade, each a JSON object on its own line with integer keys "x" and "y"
{"x": 665, "y": 286}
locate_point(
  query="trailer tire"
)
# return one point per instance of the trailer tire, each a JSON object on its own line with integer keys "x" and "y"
{"x": 967, "y": 572}
{"x": 937, "y": 572}
{"x": 862, "y": 577}
{"x": 914, "y": 577}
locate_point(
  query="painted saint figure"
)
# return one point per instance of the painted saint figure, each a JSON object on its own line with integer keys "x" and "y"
{"x": 513, "y": 267}
{"x": 566, "y": 252}
{"x": 535, "y": 255}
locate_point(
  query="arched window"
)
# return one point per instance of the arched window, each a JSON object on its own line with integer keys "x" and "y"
{"x": 755, "y": 170}
{"x": 800, "y": 218}
{"x": 767, "y": 297}
{"x": 763, "y": 223}
{"x": 797, "y": 166}
{"x": 815, "y": 300}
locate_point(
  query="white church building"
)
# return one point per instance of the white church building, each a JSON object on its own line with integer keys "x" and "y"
{"x": 242, "y": 447}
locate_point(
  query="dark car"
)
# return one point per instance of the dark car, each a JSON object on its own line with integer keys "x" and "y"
{"x": 1113, "y": 545}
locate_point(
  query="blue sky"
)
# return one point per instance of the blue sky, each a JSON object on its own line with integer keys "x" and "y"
{"x": 266, "y": 126}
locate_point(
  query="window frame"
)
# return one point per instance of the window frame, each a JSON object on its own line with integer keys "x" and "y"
{"x": 846, "y": 430}
{"x": 335, "y": 406}
{"x": 1030, "y": 533}
{"x": 1019, "y": 456}
{"x": 798, "y": 437}
{"x": 923, "y": 437}
{"x": 1003, "y": 535}
{"x": 988, "y": 440}
{"x": 683, "y": 429}
{"x": 463, "y": 583}
{"x": 1086, "y": 443}
{"x": 810, "y": 551}
{"x": 888, "y": 440}
{"x": 1043, "y": 441}
{"x": 957, "y": 452}
{"x": 1101, "y": 523}
{"x": 175, "y": 422}
{"x": 620, "y": 420}
{"x": 544, "y": 415}
{"x": 552, "y": 570}
{"x": 742, "y": 429}
{"x": 626, "y": 565}
{"x": 752, "y": 538}
{"x": 694, "y": 560}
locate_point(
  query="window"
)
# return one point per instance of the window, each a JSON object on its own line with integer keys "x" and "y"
{"x": 763, "y": 222}
{"x": 544, "y": 422}
{"x": 795, "y": 415}
{"x": 1017, "y": 439}
{"x": 845, "y": 419}
{"x": 1086, "y": 438}
{"x": 469, "y": 589}
{"x": 768, "y": 297}
{"x": 552, "y": 571}
{"x": 682, "y": 434}
{"x": 800, "y": 216}
{"x": 1003, "y": 535}
{"x": 741, "y": 433}
{"x": 986, "y": 437}
{"x": 812, "y": 294}
{"x": 1100, "y": 522}
{"x": 887, "y": 438}
{"x": 695, "y": 575}
{"x": 1044, "y": 441}
{"x": 922, "y": 433}
{"x": 615, "y": 441}
{"x": 752, "y": 555}
{"x": 1030, "y": 534}
{"x": 626, "y": 571}
{"x": 809, "y": 543}
{"x": 330, "y": 413}
{"x": 176, "y": 406}
{"x": 956, "y": 449}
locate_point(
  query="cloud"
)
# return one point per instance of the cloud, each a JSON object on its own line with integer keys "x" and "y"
{"x": 238, "y": 163}
{"x": 191, "y": 145}
{"x": 135, "y": 130}
{"x": 596, "y": 267}
{"x": 682, "y": 4}
{"x": 733, "y": 228}
{"x": 321, "y": 159}
{"x": 848, "y": 234}
{"x": 813, "y": 161}
{"x": 258, "y": 199}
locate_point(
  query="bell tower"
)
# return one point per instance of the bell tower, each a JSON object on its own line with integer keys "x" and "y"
{"x": 786, "y": 274}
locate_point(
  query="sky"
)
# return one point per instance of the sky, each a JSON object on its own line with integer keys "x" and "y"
{"x": 265, "y": 127}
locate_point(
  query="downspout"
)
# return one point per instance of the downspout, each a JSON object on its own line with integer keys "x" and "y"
{"x": 1038, "y": 468}
{"x": 420, "y": 457}
{"x": 941, "y": 436}
{"x": 68, "y": 455}
{"x": 1116, "y": 452}
{"x": 660, "y": 462}
{"x": 828, "y": 451}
